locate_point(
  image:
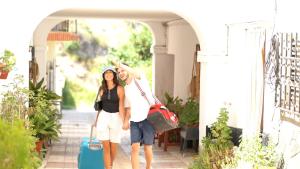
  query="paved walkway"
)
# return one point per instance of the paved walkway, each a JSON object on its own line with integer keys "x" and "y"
{"x": 63, "y": 153}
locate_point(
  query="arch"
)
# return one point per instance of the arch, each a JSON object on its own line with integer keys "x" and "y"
{"x": 162, "y": 56}
{"x": 156, "y": 21}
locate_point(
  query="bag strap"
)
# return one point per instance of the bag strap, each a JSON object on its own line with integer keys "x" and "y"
{"x": 98, "y": 93}
{"x": 144, "y": 94}
{"x": 95, "y": 101}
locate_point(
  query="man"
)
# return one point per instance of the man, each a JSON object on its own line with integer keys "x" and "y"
{"x": 137, "y": 107}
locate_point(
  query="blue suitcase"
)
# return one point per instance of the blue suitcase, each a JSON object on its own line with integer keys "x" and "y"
{"x": 91, "y": 154}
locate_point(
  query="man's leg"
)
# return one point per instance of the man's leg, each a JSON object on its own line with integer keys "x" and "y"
{"x": 135, "y": 137}
{"x": 135, "y": 148}
{"x": 148, "y": 155}
{"x": 148, "y": 139}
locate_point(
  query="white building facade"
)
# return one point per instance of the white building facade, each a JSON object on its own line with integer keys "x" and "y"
{"x": 231, "y": 35}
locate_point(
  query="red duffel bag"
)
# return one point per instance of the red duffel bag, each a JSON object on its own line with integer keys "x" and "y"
{"x": 161, "y": 118}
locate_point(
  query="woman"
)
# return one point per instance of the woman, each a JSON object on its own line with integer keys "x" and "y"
{"x": 110, "y": 118}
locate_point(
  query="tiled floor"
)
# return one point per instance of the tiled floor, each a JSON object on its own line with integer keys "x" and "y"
{"x": 75, "y": 125}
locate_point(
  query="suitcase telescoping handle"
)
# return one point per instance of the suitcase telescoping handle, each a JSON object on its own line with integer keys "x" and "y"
{"x": 94, "y": 145}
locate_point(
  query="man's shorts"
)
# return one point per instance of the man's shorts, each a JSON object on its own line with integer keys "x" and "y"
{"x": 142, "y": 132}
{"x": 109, "y": 127}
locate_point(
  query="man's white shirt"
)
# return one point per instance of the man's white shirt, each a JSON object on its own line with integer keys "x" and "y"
{"x": 139, "y": 106}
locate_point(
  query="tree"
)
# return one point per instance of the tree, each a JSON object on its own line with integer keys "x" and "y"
{"x": 138, "y": 46}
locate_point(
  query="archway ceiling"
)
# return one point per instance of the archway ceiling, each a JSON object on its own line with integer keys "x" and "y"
{"x": 161, "y": 16}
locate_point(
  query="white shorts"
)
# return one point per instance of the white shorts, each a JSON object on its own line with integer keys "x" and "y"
{"x": 109, "y": 127}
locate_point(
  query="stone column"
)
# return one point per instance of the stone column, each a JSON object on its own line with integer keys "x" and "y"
{"x": 163, "y": 68}
{"x": 163, "y": 63}
{"x": 40, "y": 43}
{"x": 40, "y": 53}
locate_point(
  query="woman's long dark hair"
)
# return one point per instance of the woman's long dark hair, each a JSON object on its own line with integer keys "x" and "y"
{"x": 104, "y": 84}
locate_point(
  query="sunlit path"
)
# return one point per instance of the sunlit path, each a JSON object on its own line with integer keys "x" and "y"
{"x": 75, "y": 125}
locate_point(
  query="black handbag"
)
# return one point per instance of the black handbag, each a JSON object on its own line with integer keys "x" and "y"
{"x": 98, "y": 104}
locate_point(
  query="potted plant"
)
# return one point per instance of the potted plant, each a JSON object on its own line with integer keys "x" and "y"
{"x": 174, "y": 104}
{"x": 189, "y": 115}
{"x": 7, "y": 62}
{"x": 44, "y": 116}
{"x": 171, "y": 137}
{"x": 189, "y": 122}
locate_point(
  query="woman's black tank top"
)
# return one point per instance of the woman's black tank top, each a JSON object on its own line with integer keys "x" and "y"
{"x": 110, "y": 100}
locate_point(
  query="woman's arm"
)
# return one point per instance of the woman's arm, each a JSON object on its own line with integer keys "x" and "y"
{"x": 126, "y": 119}
{"x": 100, "y": 94}
{"x": 121, "y": 95}
{"x": 98, "y": 98}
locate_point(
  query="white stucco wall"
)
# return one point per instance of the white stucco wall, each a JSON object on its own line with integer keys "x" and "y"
{"x": 31, "y": 13}
{"x": 209, "y": 28}
{"x": 182, "y": 40}
{"x": 208, "y": 18}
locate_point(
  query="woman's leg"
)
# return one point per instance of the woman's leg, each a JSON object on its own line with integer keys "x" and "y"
{"x": 113, "y": 152}
{"x": 107, "y": 155}
{"x": 115, "y": 129}
{"x": 103, "y": 135}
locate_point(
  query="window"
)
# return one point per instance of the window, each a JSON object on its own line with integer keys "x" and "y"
{"x": 284, "y": 61}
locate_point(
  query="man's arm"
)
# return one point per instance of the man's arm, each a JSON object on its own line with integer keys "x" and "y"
{"x": 136, "y": 74}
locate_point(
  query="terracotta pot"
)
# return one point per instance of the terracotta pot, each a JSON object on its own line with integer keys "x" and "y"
{"x": 2, "y": 65}
{"x": 39, "y": 145}
{"x": 3, "y": 75}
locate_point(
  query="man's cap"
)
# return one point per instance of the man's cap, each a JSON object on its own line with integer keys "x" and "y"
{"x": 106, "y": 68}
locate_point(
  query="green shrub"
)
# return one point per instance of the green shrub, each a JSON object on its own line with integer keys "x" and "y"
{"x": 252, "y": 152}
{"x": 73, "y": 47}
{"x": 17, "y": 146}
{"x": 138, "y": 46}
{"x": 75, "y": 93}
{"x": 220, "y": 132}
{"x": 190, "y": 113}
{"x": 217, "y": 147}
{"x": 14, "y": 100}
{"x": 67, "y": 97}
